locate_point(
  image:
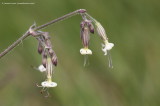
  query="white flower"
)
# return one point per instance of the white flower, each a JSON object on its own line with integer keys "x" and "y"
{"x": 48, "y": 84}
{"x": 108, "y": 46}
{"x": 41, "y": 68}
{"x": 85, "y": 51}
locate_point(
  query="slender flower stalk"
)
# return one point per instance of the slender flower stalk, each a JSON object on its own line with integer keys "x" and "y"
{"x": 27, "y": 34}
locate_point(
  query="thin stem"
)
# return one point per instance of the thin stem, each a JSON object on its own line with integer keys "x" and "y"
{"x": 94, "y": 20}
{"x": 38, "y": 28}
{"x": 61, "y": 18}
{"x": 14, "y": 44}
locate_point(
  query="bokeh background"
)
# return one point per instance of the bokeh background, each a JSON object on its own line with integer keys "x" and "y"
{"x": 132, "y": 25}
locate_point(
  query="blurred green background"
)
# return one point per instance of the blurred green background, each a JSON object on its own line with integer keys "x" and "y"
{"x": 132, "y": 25}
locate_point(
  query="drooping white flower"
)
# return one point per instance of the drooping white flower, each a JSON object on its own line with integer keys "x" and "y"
{"x": 48, "y": 84}
{"x": 86, "y": 28}
{"x": 85, "y": 51}
{"x": 49, "y": 71}
{"x": 107, "y": 46}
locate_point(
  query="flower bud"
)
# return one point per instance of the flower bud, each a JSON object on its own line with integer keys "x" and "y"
{"x": 51, "y": 52}
{"x": 54, "y": 60}
{"x": 91, "y": 27}
{"x": 44, "y": 54}
{"x": 44, "y": 62}
{"x": 48, "y": 43}
{"x": 40, "y": 48}
{"x": 82, "y": 24}
{"x": 81, "y": 10}
{"x": 85, "y": 36}
{"x": 46, "y": 35}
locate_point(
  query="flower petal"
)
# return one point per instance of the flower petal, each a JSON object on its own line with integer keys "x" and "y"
{"x": 49, "y": 84}
{"x": 41, "y": 68}
{"x": 107, "y": 47}
{"x": 85, "y": 51}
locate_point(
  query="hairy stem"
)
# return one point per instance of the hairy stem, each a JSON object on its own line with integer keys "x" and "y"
{"x": 7, "y": 50}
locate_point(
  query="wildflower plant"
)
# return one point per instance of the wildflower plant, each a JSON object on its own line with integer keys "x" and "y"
{"x": 88, "y": 26}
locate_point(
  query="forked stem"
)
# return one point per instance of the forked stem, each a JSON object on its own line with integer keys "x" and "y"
{"x": 12, "y": 46}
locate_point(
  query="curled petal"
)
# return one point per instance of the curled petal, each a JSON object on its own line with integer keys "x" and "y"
{"x": 41, "y": 68}
{"x": 107, "y": 47}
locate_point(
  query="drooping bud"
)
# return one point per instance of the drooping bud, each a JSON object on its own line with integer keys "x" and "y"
{"x": 44, "y": 54}
{"x": 91, "y": 27}
{"x": 44, "y": 62}
{"x": 44, "y": 58}
{"x": 51, "y": 52}
{"x": 48, "y": 44}
{"x": 54, "y": 60}
{"x": 85, "y": 37}
{"x": 46, "y": 38}
{"x": 40, "y": 48}
{"x": 46, "y": 35}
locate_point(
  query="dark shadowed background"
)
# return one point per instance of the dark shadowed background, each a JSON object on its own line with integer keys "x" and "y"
{"x": 132, "y": 25}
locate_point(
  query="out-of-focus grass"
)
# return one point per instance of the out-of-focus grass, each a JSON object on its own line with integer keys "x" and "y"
{"x": 132, "y": 25}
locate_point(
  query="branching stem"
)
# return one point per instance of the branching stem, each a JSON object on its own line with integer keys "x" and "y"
{"x": 7, "y": 50}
